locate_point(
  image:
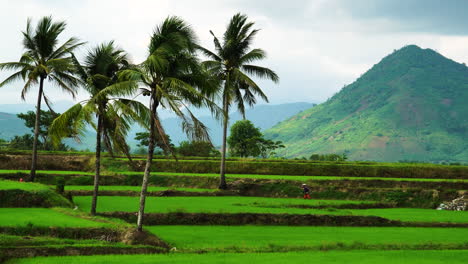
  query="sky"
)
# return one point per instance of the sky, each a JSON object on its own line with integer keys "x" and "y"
{"x": 315, "y": 46}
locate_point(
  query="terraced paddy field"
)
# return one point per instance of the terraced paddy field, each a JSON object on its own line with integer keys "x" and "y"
{"x": 267, "y": 205}
{"x": 45, "y": 217}
{"x": 356, "y": 218}
{"x": 236, "y": 176}
{"x": 230, "y": 204}
{"x": 133, "y": 188}
{"x": 358, "y": 257}
{"x": 293, "y": 238}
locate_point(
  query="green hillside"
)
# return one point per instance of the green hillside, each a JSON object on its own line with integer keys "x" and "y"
{"x": 412, "y": 105}
{"x": 11, "y": 125}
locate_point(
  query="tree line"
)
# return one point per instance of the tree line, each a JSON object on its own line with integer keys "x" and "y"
{"x": 172, "y": 76}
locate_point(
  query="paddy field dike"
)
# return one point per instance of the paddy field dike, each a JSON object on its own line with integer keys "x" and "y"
{"x": 360, "y": 212}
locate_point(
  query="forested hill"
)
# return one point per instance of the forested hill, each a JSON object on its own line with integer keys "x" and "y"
{"x": 412, "y": 105}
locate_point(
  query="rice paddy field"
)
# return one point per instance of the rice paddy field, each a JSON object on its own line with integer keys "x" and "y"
{"x": 358, "y": 257}
{"x": 414, "y": 234}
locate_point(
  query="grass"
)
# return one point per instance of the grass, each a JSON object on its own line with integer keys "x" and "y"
{"x": 39, "y": 241}
{"x": 222, "y": 204}
{"x": 133, "y": 188}
{"x": 240, "y": 176}
{"x": 264, "y": 237}
{"x": 51, "y": 172}
{"x": 416, "y": 215}
{"x": 26, "y": 186}
{"x": 264, "y": 205}
{"x": 350, "y": 257}
{"x": 16, "y": 217}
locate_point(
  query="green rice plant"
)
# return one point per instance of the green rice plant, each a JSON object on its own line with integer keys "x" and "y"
{"x": 133, "y": 188}
{"x": 267, "y": 205}
{"x": 324, "y": 257}
{"x": 26, "y": 194}
{"x": 44, "y": 217}
{"x": 263, "y": 238}
{"x": 218, "y": 204}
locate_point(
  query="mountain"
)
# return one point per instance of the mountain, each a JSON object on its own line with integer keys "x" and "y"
{"x": 11, "y": 125}
{"x": 58, "y": 106}
{"x": 412, "y": 106}
{"x": 263, "y": 116}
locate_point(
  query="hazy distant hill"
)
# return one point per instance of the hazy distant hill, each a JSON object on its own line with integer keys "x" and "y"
{"x": 263, "y": 116}
{"x": 412, "y": 105}
{"x": 11, "y": 125}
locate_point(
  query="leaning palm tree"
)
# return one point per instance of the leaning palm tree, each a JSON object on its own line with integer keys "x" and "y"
{"x": 231, "y": 63}
{"x": 110, "y": 116}
{"x": 172, "y": 78}
{"x": 43, "y": 59}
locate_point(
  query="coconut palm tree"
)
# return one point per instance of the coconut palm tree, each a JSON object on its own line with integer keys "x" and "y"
{"x": 109, "y": 115}
{"x": 231, "y": 63}
{"x": 172, "y": 78}
{"x": 43, "y": 60}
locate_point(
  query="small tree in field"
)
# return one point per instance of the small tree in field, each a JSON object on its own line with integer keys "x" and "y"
{"x": 244, "y": 139}
{"x": 197, "y": 149}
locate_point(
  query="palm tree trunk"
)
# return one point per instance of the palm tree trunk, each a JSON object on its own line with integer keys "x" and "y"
{"x": 222, "y": 177}
{"x": 97, "y": 165}
{"x": 149, "y": 159}
{"x": 32, "y": 176}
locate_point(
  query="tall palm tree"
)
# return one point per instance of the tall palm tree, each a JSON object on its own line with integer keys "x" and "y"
{"x": 172, "y": 78}
{"x": 43, "y": 59}
{"x": 110, "y": 116}
{"x": 231, "y": 63}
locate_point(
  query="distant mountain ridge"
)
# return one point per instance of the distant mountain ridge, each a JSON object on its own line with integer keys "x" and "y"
{"x": 412, "y": 105}
{"x": 263, "y": 116}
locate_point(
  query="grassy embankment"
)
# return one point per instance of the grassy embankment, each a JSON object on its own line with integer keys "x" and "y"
{"x": 287, "y": 238}
{"x": 265, "y": 205}
{"x": 235, "y": 176}
{"x": 328, "y": 257}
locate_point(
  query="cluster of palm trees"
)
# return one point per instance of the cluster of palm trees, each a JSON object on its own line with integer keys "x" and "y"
{"x": 172, "y": 76}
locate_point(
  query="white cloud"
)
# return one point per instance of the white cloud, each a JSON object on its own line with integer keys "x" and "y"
{"x": 315, "y": 46}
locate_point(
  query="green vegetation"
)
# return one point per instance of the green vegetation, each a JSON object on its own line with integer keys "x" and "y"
{"x": 327, "y": 257}
{"x": 26, "y": 194}
{"x": 409, "y": 106}
{"x": 268, "y": 205}
{"x": 411, "y": 102}
{"x": 26, "y": 186}
{"x": 43, "y": 60}
{"x": 197, "y": 148}
{"x": 231, "y": 65}
{"x": 255, "y": 238}
{"x": 416, "y": 215}
{"x": 239, "y": 176}
{"x": 226, "y": 204}
{"x": 246, "y": 140}
{"x": 7, "y": 241}
{"x": 164, "y": 143}
{"x": 18, "y": 217}
{"x": 44, "y": 143}
{"x": 392, "y": 170}
{"x": 133, "y": 188}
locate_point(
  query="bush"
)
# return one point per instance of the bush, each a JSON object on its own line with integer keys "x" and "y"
{"x": 197, "y": 149}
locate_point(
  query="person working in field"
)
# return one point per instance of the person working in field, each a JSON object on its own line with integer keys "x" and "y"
{"x": 306, "y": 191}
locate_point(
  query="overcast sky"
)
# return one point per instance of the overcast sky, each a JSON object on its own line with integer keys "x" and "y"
{"x": 315, "y": 46}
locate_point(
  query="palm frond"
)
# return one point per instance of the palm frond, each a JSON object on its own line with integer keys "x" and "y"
{"x": 261, "y": 72}
{"x": 244, "y": 80}
{"x": 12, "y": 78}
{"x": 209, "y": 53}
